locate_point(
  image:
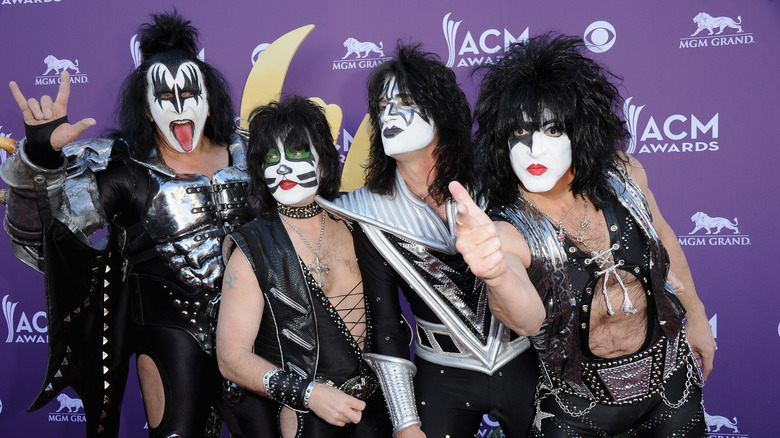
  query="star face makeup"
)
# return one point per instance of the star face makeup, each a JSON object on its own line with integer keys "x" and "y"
{"x": 404, "y": 126}
{"x": 540, "y": 156}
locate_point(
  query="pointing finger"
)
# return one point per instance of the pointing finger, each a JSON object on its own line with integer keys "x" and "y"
{"x": 469, "y": 215}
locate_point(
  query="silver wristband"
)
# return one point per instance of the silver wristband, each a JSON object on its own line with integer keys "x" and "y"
{"x": 395, "y": 375}
{"x": 307, "y": 394}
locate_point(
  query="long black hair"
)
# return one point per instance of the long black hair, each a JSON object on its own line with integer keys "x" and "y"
{"x": 300, "y": 124}
{"x": 548, "y": 74}
{"x": 171, "y": 39}
{"x": 434, "y": 89}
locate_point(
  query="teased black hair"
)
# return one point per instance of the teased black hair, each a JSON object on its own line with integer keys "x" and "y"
{"x": 169, "y": 38}
{"x": 434, "y": 88}
{"x": 300, "y": 124}
{"x": 548, "y": 73}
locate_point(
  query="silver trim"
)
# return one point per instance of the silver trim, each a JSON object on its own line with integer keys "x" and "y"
{"x": 395, "y": 376}
{"x": 465, "y": 359}
{"x": 403, "y": 215}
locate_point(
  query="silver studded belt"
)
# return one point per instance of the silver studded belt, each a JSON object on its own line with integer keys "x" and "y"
{"x": 636, "y": 377}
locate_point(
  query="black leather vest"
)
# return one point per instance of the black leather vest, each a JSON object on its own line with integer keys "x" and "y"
{"x": 293, "y": 336}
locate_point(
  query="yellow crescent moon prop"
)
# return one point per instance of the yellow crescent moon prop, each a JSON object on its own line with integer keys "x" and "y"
{"x": 264, "y": 85}
{"x": 266, "y": 78}
{"x": 353, "y": 176}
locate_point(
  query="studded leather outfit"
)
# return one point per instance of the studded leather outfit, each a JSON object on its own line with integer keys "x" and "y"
{"x": 150, "y": 287}
{"x": 566, "y": 279}
{"x": 301, "y": 331}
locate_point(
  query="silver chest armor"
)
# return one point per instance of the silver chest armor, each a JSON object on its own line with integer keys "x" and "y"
{"x": 483, "y": 342}
{"x": 188, "y": 216}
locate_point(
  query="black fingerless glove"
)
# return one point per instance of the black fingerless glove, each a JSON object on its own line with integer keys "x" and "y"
{"x": 38, "y": 146}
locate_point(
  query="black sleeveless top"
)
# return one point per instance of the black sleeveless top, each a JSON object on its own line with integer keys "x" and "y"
{"x": 631, "y": 256}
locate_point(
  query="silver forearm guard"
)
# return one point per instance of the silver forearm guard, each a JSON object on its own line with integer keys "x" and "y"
{"x": 22, "y": 220}
{"x": 71, "y": 192}
{"x": 395, "y": 375}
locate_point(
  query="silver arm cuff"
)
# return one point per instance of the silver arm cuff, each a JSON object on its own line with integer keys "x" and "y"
{"x": 395, "y": 375}
{"x": 22, "y": 220}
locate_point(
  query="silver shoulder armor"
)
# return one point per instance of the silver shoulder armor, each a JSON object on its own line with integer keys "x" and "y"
{"x": 395, "y": 375}
{"x": 84, "y": 212}
{"x": 71, "y": 190}
{"x": 402, "y": 215}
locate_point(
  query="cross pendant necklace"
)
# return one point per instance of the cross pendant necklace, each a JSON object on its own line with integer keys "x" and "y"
{"x": 317, "y": 266}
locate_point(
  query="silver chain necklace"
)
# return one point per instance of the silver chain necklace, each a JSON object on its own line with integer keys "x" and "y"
{"x": 604, "y": 259}
{"x": 318, "y": 265}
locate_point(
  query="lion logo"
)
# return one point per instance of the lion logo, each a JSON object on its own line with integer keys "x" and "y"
{"x": 72, "y": 404}
{"x": 717, "y": 422}
{"x": 704, "y": 221}
{"x": 55, "y": 64}
{"x": 706, "y": 21}
{"x": 357, "y": 47}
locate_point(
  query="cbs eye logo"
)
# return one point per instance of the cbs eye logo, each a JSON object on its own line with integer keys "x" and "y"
{"x": 600, "y": 36}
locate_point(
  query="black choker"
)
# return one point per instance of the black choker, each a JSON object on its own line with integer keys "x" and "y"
{"x": 304, "y": 212}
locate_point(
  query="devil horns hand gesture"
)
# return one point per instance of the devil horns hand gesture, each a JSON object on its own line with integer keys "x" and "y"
{"x": 39, "y": 113}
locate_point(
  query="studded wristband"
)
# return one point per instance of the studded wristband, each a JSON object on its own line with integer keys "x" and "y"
{"x": 288, "y": 388}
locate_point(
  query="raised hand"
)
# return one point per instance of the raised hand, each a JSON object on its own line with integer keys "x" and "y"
{"x": 45, "y": 111}
{"x": 477, "y": 236}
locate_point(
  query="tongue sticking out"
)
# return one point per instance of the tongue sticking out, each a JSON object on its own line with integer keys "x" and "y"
{"x": 183, "y": 133}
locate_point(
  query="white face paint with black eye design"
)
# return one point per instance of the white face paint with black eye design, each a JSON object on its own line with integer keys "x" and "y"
{"x": 540, "y": 156}
{"x": 178, "y": 103}
{"x": 404, "y": 128}
{"x": 292, "y": 175}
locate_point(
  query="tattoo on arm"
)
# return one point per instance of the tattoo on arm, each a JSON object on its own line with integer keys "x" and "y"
{"x": 230, "y": 280}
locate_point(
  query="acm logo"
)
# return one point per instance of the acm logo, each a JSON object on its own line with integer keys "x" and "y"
{"x": 470, "y": 51}
{"x": 22, "y": 329}
{"x": 675, "y": 132}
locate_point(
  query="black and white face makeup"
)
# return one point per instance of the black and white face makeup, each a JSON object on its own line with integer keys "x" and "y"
{"x": 178, "y": 103}
{"x": 540, "y": 155}
{"x": 403, "y": 126}
{"x": 292, "y": 175}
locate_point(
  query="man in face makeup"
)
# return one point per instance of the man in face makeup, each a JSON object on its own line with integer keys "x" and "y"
{"x": 577, "y": 223}
{"x": 292, "y": 324}
{"x": 467, "y": 363}
{"x": 168, "y": 184}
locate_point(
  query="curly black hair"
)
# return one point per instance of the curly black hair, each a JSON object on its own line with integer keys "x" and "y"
{"x": 434, "y": 89}
{"x": 300, "y": 124}
{"x": 548, "y": 74}
{"x": 170, "y": 39}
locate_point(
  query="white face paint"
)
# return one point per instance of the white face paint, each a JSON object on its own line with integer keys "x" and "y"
{"x": 540, "y": 157}
{"x": 404, "y": 129}
{"x": 292, "y": 175}
{"x": 178, "y": 104}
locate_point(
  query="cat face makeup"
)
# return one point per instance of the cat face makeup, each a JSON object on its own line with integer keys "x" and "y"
{"x": 292, "y": 175}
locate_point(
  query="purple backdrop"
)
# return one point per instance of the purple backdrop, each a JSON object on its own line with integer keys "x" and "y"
{"x": 700, "y": 108}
